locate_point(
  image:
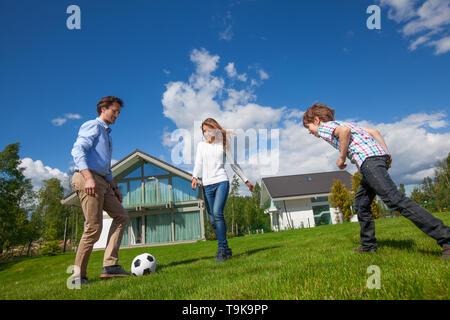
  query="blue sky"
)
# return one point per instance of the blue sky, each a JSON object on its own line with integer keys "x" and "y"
{"x": 309, "y": 50}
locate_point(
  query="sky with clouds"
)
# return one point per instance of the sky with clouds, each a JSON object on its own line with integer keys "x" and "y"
{"x": 251, "y": 65}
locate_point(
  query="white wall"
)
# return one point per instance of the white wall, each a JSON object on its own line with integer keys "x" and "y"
{"x": 299, "y": 214}
{"x": 101, "y": 243}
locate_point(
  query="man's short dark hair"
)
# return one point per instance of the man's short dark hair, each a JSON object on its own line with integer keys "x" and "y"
{"x": 107, "y": 102}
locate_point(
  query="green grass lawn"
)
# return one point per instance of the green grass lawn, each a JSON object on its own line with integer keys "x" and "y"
{"x": 315, "y": 263}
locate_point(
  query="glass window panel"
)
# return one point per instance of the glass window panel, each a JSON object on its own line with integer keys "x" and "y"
{"x": 136, "y": 173}
{"x": 150, "y": 191}
{"x": 164, "y": 192}
{"x": 123, "y": 188}
{"x": 135, "y": 192}
{"x": 152, "y": 170}
{"x": 319, "y": 199}
{"x": 182, "y": 190}
{"x": 187, "y": 226}
{"x": 158, "y": 228}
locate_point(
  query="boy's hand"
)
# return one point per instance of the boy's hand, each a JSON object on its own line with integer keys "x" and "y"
{"x": 341, "y": 163}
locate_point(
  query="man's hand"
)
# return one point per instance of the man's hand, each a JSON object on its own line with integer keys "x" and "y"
{"x": 118, "y": 194}
{"x": 89, "y": 182}
{"x": 341, "y": 163}
{"x": 194, "y": 184}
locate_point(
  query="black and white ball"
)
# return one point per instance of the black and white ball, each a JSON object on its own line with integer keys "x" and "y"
{"x": 143, "y": 264}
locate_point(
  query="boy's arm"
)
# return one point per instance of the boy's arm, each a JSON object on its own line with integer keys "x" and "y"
{"x": 343, "y": 133}
{"x": 377, "y": 136}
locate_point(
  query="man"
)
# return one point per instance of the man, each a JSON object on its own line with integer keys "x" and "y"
{"x": 97, "y": 191}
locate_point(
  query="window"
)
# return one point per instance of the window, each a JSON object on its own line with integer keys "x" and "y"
{"x": 319, "y": 199}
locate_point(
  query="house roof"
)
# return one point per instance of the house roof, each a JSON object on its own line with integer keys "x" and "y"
{"x": 129, "y": 161}
{"x": 304, "y": 184}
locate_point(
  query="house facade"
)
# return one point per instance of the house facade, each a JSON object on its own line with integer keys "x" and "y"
{"x": 159, "y": 200}
{"x": 301, "y": 201}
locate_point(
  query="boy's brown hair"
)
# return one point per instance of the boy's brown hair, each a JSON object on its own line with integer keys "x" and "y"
{"x": 107, "y": 102}
{"x": 324, "y": 112}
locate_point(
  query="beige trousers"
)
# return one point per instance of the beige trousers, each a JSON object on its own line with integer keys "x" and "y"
{"x": 93, "y": 207}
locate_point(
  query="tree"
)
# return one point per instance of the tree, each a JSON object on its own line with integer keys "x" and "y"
{"x": 341, "y": 198}
{"x": 50, "y": 209}
{"x": 15, "y": 194}
{"x": 434, "y": 194}
{"x": 233, "y": 196}
{"x": 374, "y": 207}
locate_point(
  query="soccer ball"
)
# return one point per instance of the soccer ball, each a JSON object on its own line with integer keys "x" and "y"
{"x": 143, "y": 264}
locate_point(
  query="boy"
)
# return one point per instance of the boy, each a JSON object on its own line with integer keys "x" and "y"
{"x": 366, "y": 148}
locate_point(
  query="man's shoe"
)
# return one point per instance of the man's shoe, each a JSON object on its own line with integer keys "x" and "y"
{"x": 80, "y": 280}
{"x": 361, "y": 250}
{"x": 113, "y": 272}
{"x": 221, "y": 255}
{"x": 446, "y": 251}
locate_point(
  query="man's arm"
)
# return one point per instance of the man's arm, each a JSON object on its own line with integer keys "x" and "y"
{"x": 86, "y": 136}
{"x": 343, "y": 133}
{"x": 116, "y": 190}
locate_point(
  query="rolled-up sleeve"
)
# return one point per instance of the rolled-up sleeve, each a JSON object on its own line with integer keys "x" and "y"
{"x": 89, "y": 131}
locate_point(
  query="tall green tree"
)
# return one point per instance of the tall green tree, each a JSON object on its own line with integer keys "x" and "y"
{"x": 50, "y": 209}
{"x": 341, "y": 198}
{"x": 434, "y": 194}
{"x": 15, "y": 194}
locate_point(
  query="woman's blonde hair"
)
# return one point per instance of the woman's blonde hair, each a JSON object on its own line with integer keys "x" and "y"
{"x": 226, "y": 134}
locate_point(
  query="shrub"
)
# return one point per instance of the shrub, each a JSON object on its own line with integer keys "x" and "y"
{"x": 50, "y": 248}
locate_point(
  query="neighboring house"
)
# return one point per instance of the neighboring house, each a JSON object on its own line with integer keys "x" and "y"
{"x": 301, "y": 201}
{"x": 158, "y": 197}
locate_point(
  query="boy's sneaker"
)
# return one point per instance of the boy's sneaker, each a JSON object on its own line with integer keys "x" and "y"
{"x": 446, "y": 251}
{"x": 361, "y": 250}
{"x": 113, "y": 272}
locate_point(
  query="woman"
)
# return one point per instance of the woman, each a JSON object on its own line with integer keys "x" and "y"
{"x": 210, "y": 161}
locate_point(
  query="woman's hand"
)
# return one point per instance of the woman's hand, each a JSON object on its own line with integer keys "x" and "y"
{"x": 194, "y": 184}
{"x": 250, "y": 186}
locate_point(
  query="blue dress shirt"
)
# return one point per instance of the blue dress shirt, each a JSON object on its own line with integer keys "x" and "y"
{"x": 93, "y": 148}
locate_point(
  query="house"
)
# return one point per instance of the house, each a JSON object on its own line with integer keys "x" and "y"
{"x": 301, "y": 201}
{"x": 159, "y": 200}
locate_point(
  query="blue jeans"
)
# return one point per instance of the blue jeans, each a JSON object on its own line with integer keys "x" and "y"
{"x": 376, "y": 181}
{"x": 216, "y": 196}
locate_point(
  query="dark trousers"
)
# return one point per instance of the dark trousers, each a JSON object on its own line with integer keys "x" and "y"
{"x": 376, "y": 181}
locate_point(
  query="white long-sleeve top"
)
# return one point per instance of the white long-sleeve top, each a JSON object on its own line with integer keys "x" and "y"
{"x": 210, "y": 164}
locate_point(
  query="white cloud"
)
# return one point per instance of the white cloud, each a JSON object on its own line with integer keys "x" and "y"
{"x": 263, "y": 75}
{"x": 441, "y": 45}
{"x": 227, "y": 34}
{"x": 232, "y": 73}
{"x": 37, "y": 173}
{"x": 72, "y": 116}
{"x": 59, "y": 121}
{"x": 431, "y": 17}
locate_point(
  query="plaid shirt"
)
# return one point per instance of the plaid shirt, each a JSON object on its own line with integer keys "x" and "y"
{"x": 361, "y": 146}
